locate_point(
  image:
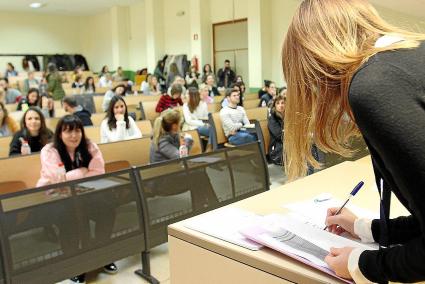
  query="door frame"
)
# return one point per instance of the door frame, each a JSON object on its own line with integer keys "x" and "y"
{"x": 214, "y": 47}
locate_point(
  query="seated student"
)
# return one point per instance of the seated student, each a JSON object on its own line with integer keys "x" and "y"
{"x": 54, "y": 82}
{"x": 263, "y": 91}
{"x": 119, "y": 75}
{"x": 238, "y": 87}
{"x": 213, "y": 91}
{"x": 206, "y": 71}
{"x": 173, "y": 100}
{"x": 268, "y": 97}
{"x": 172, "y": 73}
{"x": 195, "y": 113}
{"x": 178, "y": 80}
{"x": 71, "y": 106}
{"x": 119, "y": 90}
{"x": 192, "y": 78}
{"x": 151, "y": 86}
{"x": 275, "y": 126}
{"x": 80, "y": 157}
{"x": 10, "y": 71}
{"x": 8, "y": 126}
{"x": 105, "y": 81}
{"x": 166, "y": 138}
{"x": 118, "y": 125}
{"x": 204, "y": 93}
{"x": 78, "y": 83}
{"x": 234, "y": 119}
{"x": 30, "y": 83}
{"x": 34, "y": 133}
{"x": 89, "y": 86}
{"x": 166, "y": 142}
{"x": 12, "y": 95}
{"x": 32, "y": 99}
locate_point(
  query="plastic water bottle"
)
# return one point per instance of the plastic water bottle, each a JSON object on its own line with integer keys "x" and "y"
{"x": 183, "y": 151}
{"x": 25, "y": 147}
{"x": 60, "y": 173}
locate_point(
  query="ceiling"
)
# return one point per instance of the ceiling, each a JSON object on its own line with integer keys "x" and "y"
{"x": 411, "y": 7}
{"x": 62, "y": 7}
{"x": 90, "y": 7}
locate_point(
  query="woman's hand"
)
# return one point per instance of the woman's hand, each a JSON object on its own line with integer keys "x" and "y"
{"x": 337, "y": 260}
{"x": 119, "y": 117}
{"x": 343, "y": 222}
{"x": 25, "y": 150}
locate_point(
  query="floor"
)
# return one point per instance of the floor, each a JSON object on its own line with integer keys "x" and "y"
{"x": 159, "y": 255}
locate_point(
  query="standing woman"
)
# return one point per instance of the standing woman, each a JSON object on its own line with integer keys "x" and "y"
{"x": 34, "y": 132}
{"x": 341, "y": 58}
{"x": 8, "y": 126}
{"x": 275, "y": 126}
{"x": 118, "y": 125}
{"x": 54, "y": 82}
{"x": 80, "y": 157}
{"x": 206, "y": 71}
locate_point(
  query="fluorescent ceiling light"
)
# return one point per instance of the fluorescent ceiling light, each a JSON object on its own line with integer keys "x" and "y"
{"x": 36, "y": 5}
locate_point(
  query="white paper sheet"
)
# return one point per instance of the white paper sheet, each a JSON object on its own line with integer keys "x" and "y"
{"x": 225, "y": 224}
{"x": 316, "y": 211}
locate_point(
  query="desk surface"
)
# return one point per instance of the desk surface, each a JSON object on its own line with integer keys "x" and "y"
{"x": 338, "y": 180}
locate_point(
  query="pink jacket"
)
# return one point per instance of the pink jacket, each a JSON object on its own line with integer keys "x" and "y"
{"x": 50, "y": 159}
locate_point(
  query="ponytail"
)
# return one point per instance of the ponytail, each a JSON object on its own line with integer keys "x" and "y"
{"x": 163, "y": 124}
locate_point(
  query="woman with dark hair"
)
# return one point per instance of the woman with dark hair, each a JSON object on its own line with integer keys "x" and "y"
{"x": 8, "y": 125}
{"x": 172, "y": 73}
{"x": 159, "y": 73}
{"x": 10, "y": 71}
{"x": 195, "y": 113}
{"x": 206, "y": 71}
{"x": 275, "y": 126}
{"x": 119, "y": 90}
{"x": 89, "y": 86}
{"x": 105, "y": 70}
{"x": 118, "y": 125}
{"x": 80, "y": 158}
{"x": 33, "y": 135}
{"x": 54, "y": 82}
{"x": 349, "y": 72}
{"x": 32, "y": 99}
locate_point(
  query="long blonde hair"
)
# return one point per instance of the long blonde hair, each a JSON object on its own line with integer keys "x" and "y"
{"x": 326, "y": 43}
{"x": 164, "y": 123}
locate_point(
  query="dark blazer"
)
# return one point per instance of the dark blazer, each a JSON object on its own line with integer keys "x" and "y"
{"x": 387, "y": 97}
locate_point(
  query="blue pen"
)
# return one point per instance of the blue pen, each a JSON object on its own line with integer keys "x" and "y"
{"x": 353, "y": 192}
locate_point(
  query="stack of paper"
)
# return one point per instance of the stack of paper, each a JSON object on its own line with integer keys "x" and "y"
{"x": 225, "y": 224}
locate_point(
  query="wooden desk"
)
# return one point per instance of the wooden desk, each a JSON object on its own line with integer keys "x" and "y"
{"x": 198, "y": 258}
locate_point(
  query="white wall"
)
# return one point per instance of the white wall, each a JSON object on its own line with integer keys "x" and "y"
{"x": 177, "y": 34}
{"x": 96, "y": 38}
{"x": 222, "y": 10}
{"x": 137, "y": 44}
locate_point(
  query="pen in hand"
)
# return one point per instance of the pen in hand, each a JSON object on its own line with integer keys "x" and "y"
{"x": 353, "y": 192}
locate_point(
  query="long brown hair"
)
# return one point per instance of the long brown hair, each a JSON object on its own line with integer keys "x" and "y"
{"x": 44, "y": 133}
{"x": 194, "y": 99}
{"x": 326, "y": 43}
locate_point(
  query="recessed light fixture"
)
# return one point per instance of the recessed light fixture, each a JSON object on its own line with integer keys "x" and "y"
{"x": 36, "y": 5}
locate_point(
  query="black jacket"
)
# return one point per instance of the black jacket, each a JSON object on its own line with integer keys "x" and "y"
{"x": 275, "y": 126}
{"x": 34, "y": 142}
{"x": 387, "y": 97}
{"x": 221, "y": 75}
{"x": 85, "y": 117}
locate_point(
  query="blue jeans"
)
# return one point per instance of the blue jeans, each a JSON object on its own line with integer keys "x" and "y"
{"x": 205, "y": 131}
{"x": 242, "y": 137}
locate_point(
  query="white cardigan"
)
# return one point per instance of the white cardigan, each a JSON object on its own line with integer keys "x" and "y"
{"x": 193, "y": 120}
{"x": 120, "y": 132}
